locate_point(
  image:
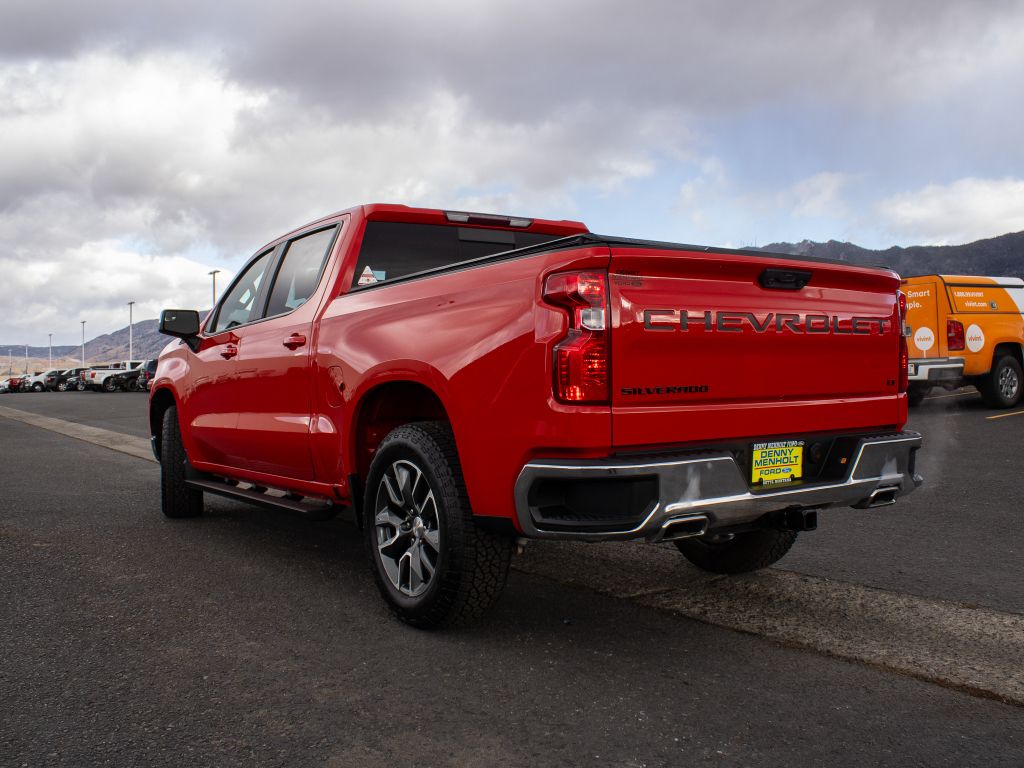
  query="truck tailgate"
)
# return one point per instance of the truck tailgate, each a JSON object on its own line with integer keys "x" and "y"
{"x": 713, "y": 346}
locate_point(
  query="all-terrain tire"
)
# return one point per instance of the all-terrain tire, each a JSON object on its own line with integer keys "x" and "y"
{"x": 1002, "y": 387}
{"x": 469, "y": 566}
{"x": 743, "y": 553}
{"x": 176, "y": 498}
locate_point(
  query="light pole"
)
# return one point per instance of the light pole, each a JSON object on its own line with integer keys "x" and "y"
{"x": 51, "y": 352}
{"x": 10, "y": 362}
{"x": 83, "y": 343}
{"x": 130, "y": 350}
{"x": 26, "y": 359}
{"x": 213, "y": 274}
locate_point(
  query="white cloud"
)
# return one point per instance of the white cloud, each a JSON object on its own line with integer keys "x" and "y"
{"x": 177, "y": 137}
{"x": 965, "y": 210}
{"x": 818, "y": 195}
{"x": 163, "y": 156}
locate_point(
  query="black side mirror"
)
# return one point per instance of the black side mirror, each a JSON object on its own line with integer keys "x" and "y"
{"x": 182, "y": 323}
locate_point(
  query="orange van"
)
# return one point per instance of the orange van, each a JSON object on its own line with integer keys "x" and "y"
{"x": 966, "y": 330}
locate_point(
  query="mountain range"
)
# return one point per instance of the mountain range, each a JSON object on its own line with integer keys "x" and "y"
{"x": 1001, "y": 256}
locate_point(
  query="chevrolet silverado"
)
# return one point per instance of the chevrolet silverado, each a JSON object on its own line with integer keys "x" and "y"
{"x": 465, "y": 381}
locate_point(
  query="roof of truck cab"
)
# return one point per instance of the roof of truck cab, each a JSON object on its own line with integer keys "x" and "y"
{"x": 399, "y": 213}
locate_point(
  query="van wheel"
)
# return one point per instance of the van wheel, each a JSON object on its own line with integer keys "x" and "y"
{"x": 742, "y": 553}
{"x": 176, "y": 498}
{"x": 433, "y": 565}
{"x": 916, "y": 393}
{"x": 1002, "y": 387}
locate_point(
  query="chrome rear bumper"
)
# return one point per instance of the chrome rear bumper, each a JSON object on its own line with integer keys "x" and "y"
{"x": 713, "y": 484}
{"x": 936, "y": 369}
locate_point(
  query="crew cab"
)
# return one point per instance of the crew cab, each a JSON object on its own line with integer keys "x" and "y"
{"x": 966, "y": 329}
{"x": 62, "y": 381}
{"x": 37, "y": 381}
{"x": 105, "y": 378}
{"x": 464, "y": 381}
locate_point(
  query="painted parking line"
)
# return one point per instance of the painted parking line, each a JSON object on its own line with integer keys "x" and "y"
{"x": 951, "y": 394}
{"x": 968, "y": 648}
{"x": 115, "y": 441}
{"x": 1004, "y": 415}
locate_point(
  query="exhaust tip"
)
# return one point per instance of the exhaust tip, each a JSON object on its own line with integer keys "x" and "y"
{"x": 882, "y": 497}
{"x": 683, "y": 527}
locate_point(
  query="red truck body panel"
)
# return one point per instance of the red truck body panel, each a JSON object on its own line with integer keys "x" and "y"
{"x": 762, "y": 359}
{"x": 480, "y": 339}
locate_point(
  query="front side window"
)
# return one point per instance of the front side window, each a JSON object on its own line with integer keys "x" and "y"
{"x": 299, "y": 273}
{"x": 236, "y": 308}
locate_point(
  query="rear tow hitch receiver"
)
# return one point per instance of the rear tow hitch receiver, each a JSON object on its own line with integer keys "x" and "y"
{"x": 796, "y": 520}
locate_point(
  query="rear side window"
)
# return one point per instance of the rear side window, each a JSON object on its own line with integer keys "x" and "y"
{"x": 236, "y": 307}
{"x": 396, "y": 249}
{"x": 300, "y": 271}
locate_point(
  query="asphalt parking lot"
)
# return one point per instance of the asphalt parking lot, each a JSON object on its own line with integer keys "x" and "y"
{"x": 251, "y": 637}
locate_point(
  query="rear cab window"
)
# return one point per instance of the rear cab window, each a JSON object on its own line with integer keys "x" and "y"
{"x": 392, "y": 250}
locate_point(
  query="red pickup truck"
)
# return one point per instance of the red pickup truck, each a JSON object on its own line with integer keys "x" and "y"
{"x": 465, "y": 381}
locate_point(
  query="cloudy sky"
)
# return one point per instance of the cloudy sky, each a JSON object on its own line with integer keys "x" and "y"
{"x": 144, "y": 144}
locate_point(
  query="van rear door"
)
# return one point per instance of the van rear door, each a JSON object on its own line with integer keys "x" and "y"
{"x": 926, "y": 338}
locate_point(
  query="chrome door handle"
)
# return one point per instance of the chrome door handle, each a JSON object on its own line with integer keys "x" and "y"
{"x": 295, "y": 341}
{"x": 229, "y": 351}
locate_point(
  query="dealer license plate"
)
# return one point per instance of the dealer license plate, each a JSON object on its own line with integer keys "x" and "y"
{"x": 777, "y": 463}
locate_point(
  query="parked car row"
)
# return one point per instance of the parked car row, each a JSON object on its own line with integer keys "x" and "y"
{"x": 124, "y": 376}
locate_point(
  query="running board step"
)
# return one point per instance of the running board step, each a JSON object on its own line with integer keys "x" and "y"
{"x": 311, "y": 509}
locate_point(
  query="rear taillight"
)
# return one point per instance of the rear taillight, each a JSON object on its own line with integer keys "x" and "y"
{"x": 955, "y": 339}
{"x": 904, "y": 352}
{"x": 581, "y": 358}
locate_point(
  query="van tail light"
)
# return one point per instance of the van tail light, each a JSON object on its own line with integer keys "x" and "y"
{"x": 582, "y": 357}
{"x": 904, "y": 351}
{"x": 955, "y": 339}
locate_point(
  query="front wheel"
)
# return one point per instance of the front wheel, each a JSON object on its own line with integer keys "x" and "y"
{"x": 176, "y": 498}
{"x": 739, "y": 553}
{"x": 62, "y": 387}
{"x": 433, "y": 565}
{"x": 1001, "y": 388}
{"x": 37, "y": 387}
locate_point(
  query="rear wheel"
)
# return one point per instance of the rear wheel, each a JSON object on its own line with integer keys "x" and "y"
{"x": 109, "y": 385}
{"x": 742, "y": 553}
{"x": 62, "y": 387}
{"x": 1001, "y": 388}
{"x": 176, "y": 498}
{"x": 37, "y": 387}
{"x": 433, "y": 565}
